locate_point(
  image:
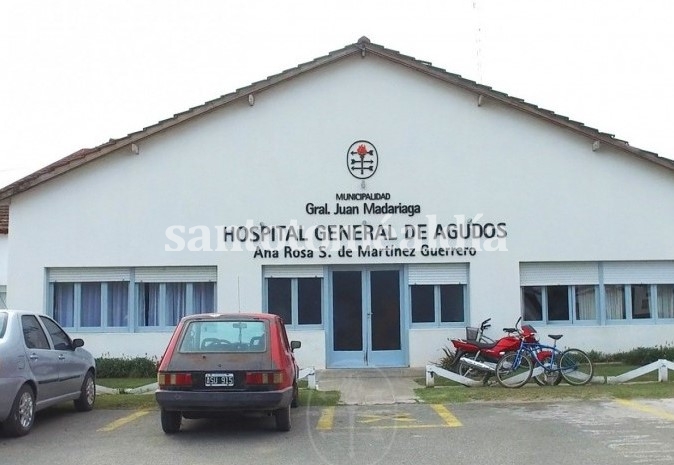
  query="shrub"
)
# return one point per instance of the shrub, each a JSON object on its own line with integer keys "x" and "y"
{"x": 447, "y": 359}
{"x": 646, "y": 355}
{"x": 126, "y": 367}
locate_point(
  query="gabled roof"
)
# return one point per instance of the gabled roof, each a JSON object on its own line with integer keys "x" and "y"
{"x": 363, "y": 47}
{"x": 4, "y": 219}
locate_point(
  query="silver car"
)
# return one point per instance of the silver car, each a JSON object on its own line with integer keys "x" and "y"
{"x": 40, "y": 366}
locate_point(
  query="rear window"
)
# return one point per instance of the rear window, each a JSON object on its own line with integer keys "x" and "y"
{"x": 224, "y": 336}
{"x": 3, "y": 324}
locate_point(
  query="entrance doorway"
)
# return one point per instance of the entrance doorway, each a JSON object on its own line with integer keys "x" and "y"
{"x": 365, "y": 318}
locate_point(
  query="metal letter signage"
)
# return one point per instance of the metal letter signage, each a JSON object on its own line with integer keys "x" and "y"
{"x": 362, "y": 159}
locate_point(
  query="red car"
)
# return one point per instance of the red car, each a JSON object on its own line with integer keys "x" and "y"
{"x": 221, "y": 362}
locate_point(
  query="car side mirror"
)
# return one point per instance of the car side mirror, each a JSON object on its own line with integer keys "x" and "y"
{"x": 295, "y": 344}
{"x": 78, "y": 343}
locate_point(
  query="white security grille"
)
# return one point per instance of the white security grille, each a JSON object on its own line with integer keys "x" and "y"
{"x": 446, "y": 273}
{"x": 89, "y": 274}
{"x": 176, "y": 274}
{"x": 647, "y": 272}
{"x": 558, "y": 273}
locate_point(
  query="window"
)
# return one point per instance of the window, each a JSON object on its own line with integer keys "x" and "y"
{"x": 3, "y": 297}
{"x": 118, "y": 304}
{"x": 665, "y": 300}
{"x": 532, "y": 303}
{"x": 225, "y": 336}
{"x": 92, "y": 302}
{"x": 423, "y": 304}
{"x": 612, "y": 292}
{"x": 279, "y": 298}
{"x": 298, "y": 301}
{"x": 33, "y": 335}
{"x": 3, "y": 324}
{"x": 585, "y": 302}
{"x": 63, "y": 308}
{"x": 559, "y": 303}
{"x": 59, "y": 338}
{"x": 615, "y": 302}
{"x": 147, "y": 303}
{"x": 164, "y": 304}
{"x": 438, "y": 303}
{"x": 635, "y": 301}
{"x": 641, "y": 307}
{"x": 127, "y": 299}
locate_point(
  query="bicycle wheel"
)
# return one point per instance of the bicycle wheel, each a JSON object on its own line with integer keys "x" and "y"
{"x": 576, "y": 367}
{"x": 550, "y": 376}
{"x": 514, "y": 370}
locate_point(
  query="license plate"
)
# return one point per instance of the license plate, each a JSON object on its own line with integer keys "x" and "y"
{"x": 219, "y": 379}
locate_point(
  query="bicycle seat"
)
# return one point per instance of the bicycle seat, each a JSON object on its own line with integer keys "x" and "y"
{"x": 556, "y": 337}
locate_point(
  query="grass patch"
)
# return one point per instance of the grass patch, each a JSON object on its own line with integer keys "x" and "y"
{"x": 533, "y": 392}
{"x": 126, "y": 402}
{"x": 314, "y": 398}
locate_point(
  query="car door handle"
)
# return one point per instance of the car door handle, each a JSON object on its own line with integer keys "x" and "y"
{"x": 62, "y": 357}
{"x": 33, "y": 356}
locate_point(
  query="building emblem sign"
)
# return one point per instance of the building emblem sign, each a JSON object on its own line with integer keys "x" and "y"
{"x": 362, "y": 159}
{"x": 359, "y": 224}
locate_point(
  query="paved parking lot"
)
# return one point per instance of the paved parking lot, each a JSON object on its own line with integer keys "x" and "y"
{"x": 598, "y": 432}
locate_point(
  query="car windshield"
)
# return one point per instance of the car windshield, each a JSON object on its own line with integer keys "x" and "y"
{"x": 224, "y": 336}
{"x": 3, "y": 324}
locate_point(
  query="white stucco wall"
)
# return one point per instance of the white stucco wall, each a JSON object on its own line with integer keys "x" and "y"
{"x": 561, "y": 201}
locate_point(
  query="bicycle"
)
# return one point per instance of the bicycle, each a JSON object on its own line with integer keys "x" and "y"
{"x": 515, "y": 369}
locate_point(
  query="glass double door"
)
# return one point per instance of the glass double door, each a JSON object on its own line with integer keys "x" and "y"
{"x": 366, "y": 323}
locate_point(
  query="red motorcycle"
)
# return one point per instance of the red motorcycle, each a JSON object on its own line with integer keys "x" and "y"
{"x": 476, "y": 356}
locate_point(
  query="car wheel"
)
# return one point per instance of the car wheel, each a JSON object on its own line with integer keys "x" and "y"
{"x": 22, "y": 415}
{"x": 282, "y": 417}
{"x": 85, "y": 401}
{"x": 170, "y": 421}
{"x": 296, "y": 396}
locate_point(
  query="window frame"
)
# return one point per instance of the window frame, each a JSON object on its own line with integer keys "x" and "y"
{"x": 437, "y": 308}
{"x": 294, "y": 324}
{"x": 132, "y": 308}
{"x": 652, "y": 293}
{"x": 571, "y": 305}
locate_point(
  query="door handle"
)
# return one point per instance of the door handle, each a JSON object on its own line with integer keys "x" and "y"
{"x": 33, "y": 356}
{"x": 62, "y": 357}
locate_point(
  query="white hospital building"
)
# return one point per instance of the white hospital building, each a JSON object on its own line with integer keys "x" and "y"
{"x": 376, "y": 202}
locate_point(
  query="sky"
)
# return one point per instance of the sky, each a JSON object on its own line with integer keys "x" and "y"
{"x": 76, "y": 73}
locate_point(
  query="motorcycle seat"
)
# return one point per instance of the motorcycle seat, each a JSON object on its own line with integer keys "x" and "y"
{"x": 482, "y": 345}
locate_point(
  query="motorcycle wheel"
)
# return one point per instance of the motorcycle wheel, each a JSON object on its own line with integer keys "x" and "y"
{"x": 548, "y": 378}
{"x": 472, "y": 373}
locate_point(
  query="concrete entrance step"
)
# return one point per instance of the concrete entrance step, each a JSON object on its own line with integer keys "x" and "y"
{"x": 371, "y": 386}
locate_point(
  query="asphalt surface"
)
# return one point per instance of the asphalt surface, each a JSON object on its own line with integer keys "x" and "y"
{"x": 597, "y": 432}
